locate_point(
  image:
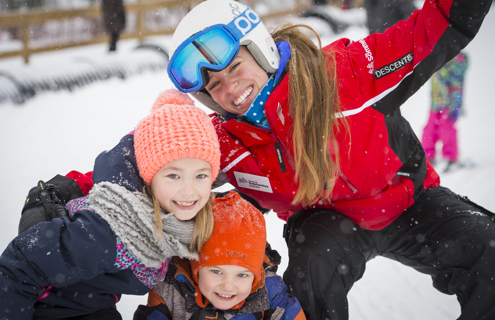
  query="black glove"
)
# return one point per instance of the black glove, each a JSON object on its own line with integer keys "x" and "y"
{"x": 47, "y": 201}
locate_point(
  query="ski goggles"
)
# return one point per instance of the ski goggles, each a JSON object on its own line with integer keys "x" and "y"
{"x": 214, "y": 48}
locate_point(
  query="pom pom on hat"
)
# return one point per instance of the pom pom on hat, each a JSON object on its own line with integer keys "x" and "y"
{"x": 172, "y": 96}
{"x": 174, "y": 129}
{"x": 238, "y": 238}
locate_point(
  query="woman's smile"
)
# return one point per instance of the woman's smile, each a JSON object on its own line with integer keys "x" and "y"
{"x": 243, "y": 97}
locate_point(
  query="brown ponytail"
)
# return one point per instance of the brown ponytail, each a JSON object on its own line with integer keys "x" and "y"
{"x": 314, "y": 104}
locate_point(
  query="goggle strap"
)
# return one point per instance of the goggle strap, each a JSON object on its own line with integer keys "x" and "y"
{"x": 243, "y": 24}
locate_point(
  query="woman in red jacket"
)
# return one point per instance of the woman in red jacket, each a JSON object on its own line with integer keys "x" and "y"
{"x": 317, "y": 136}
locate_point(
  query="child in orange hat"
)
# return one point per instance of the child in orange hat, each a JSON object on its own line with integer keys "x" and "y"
{"x": 151, "y": 200}
{"x": 233, "y": 278}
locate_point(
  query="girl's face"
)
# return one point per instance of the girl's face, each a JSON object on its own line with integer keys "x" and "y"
{"x": 226, "y": 285}
{"x": 183, "y": 187}
{"x": 235, "y": 87}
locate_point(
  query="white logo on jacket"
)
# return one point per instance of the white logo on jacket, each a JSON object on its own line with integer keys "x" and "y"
{"x": 254, "y": 135}
{"x": 280, "y": 114}
{"x": 368, "y": 55}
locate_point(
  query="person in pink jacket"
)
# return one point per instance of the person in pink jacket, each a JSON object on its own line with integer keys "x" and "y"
{"x": 316, "y": 134}
{"x": 447, "y": 86}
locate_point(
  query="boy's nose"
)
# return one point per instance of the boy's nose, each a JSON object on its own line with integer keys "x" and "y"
{"x": 227, "y": 286}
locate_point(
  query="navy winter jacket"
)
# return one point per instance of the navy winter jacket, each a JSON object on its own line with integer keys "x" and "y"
{"x": 69, "y": 267}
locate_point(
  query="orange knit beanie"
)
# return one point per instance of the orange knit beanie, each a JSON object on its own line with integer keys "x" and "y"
{"x": 238, "y": 238}
{"x": 174, "y": 129}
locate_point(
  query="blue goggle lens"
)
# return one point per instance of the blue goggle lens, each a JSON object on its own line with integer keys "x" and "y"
{"x": 214, "y": 50}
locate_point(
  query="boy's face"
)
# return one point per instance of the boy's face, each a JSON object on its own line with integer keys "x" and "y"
{"x": 183, "y": 187}
{"x": 226, "y": 285}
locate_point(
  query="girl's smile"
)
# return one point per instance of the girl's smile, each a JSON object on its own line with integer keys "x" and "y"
{"x": 183, "y": 186}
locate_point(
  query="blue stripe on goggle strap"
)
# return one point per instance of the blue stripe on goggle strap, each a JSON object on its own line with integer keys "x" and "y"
{"x": 213, "y": 48}
{"x": 243, "y": 24}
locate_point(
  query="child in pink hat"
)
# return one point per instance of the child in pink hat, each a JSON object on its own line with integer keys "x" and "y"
{"x": 151, "y": 200}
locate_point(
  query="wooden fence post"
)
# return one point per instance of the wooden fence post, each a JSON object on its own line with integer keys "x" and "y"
{"x": 25, "y": 39}
{"x": 25, "y": 21}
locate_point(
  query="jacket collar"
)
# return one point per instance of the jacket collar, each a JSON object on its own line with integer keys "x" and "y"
{"x": 248, "y": 133}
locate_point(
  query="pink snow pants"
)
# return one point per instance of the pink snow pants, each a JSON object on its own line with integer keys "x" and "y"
{"x": 440, "y": 128}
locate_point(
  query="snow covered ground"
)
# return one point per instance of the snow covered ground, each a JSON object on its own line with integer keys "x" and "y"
{"x": 56, "y": 132}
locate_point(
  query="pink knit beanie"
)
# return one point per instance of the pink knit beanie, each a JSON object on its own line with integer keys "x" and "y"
{"x": 174, "y": 129}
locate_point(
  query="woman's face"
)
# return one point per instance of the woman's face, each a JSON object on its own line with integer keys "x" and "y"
{"x": 235, "y": 87}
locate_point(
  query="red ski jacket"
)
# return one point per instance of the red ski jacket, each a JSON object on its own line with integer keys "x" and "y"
{"x": 383, "y": 165}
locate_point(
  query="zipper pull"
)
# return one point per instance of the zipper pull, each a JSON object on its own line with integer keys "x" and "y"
{"x": 280, "y": 158}
{"x": 347, "y": 182}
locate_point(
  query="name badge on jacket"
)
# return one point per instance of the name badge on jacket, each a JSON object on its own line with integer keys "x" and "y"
{"x": 251, "y": 181}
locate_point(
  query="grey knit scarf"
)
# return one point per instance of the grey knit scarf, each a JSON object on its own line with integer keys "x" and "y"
{"x": 131, "y": 217}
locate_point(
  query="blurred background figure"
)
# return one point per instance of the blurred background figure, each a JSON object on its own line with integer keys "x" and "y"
{"x": 447, "y": 86}
{"x": 348, "y": 4}
{"x": 343, "y": 4}
{"x": 114, "y": 19}
{"x": 382, "y": 14}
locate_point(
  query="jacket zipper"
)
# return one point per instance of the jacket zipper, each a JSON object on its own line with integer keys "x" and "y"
{"x": 347, "y": 182}
{"x": 283, "y": 152}
{"x": 280, "y": 148}
{"x": 408, "y": 192}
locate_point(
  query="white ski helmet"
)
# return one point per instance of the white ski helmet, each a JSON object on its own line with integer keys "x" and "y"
{"x": 258, "y": 40}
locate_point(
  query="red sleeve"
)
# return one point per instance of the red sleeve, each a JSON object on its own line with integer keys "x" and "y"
{"x": 384, "y": 69}
{"x": 84, "y": 181}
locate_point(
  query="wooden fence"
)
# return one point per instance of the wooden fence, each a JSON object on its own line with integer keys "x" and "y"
{"x": 28, "y": 21}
